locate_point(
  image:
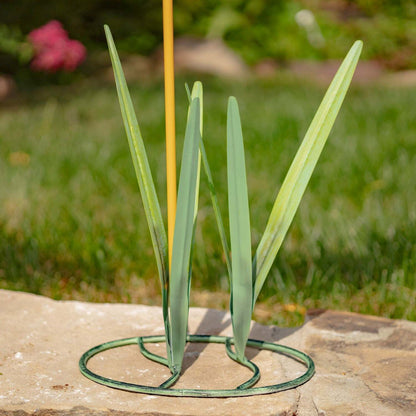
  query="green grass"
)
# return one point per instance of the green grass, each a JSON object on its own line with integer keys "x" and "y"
{"x": 72, "y": 224}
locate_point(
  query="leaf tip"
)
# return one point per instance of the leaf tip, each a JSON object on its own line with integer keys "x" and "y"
{"x": 358, "y": 46}
{"x": 107, "y": 30}
{"x": 232, "y": 103}
{"x": 188, "y": 92}
{"x": 108, "y": 36}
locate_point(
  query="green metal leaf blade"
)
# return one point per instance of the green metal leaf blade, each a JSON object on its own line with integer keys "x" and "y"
{"x": 301, "y": 169}
{"x": 197, "y": 93}
{"x": 183, "y": 237}
{"x": 144, "y": 177}
{"x": 240, "y": 235}
{"x": 213, "y": 193}
{"x": 141, "y": 164}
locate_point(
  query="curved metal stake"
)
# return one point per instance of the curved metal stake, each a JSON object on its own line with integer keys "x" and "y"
{"x": 150, "y": 355}
{"x": 238, "y": 392}
{"x": 158, "y": 359}
{"x": 247, "y": 363}
{"x": 171, "y": 380}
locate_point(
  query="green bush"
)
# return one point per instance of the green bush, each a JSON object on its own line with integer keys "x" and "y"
{"x": 256, "y": 29}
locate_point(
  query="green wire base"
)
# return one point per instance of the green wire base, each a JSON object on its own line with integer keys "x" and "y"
{"x": 164, "y": 390}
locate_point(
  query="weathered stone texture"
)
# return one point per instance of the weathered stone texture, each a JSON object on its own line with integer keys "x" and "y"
{"x": 364, "y": 365}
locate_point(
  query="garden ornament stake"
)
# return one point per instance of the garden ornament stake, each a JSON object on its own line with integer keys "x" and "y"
{"x": 247, "y": 274}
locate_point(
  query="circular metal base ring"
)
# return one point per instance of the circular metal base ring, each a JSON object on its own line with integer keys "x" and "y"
{"x": 161, "y": 391}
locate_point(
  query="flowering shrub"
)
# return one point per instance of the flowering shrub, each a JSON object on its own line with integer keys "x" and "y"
{"x": 54, "y": 50}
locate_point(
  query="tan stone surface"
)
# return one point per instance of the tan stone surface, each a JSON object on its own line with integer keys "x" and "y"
{"x": 365, "y": 365}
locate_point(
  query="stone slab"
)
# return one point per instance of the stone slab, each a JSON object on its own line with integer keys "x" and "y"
{"x": 364, "y": 365}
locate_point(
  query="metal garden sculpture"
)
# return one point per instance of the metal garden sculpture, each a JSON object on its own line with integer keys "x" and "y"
{"x": 247, "y": 273}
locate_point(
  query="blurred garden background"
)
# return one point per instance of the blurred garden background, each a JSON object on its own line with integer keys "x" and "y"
{"x": 72, "y": 224}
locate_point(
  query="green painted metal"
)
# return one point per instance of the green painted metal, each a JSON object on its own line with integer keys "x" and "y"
{"x": 163, "y": 390}
{"x": 185, "y": 222}
{"x": 301, "y": 169}
{"x": 240, "y": 235}
{"x": 247, "y": 363}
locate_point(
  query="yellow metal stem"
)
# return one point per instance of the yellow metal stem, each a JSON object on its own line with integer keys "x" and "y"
{"x": 169, "y": 118}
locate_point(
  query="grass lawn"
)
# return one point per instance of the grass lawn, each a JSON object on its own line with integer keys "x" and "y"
{"x": 72, "y": 224}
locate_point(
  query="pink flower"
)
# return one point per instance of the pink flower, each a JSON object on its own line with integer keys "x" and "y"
{"x": 54, "y": 50}
{"x": 75, "y": 54}
{"x": 49, "y": 60}
{"x": 48, "y": 36}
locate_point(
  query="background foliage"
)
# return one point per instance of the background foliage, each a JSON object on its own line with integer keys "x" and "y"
{"x": 255, "y": 28}
{"x": 72, "y": 223}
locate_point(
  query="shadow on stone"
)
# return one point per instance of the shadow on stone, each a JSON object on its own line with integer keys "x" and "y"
{"x": 269, "y": 334}
{"x": 215, "y": 319}
{"x": 211, "y": 319}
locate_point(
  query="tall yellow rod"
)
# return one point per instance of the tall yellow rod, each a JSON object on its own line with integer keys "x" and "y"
{"x": 169, "y": 118}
